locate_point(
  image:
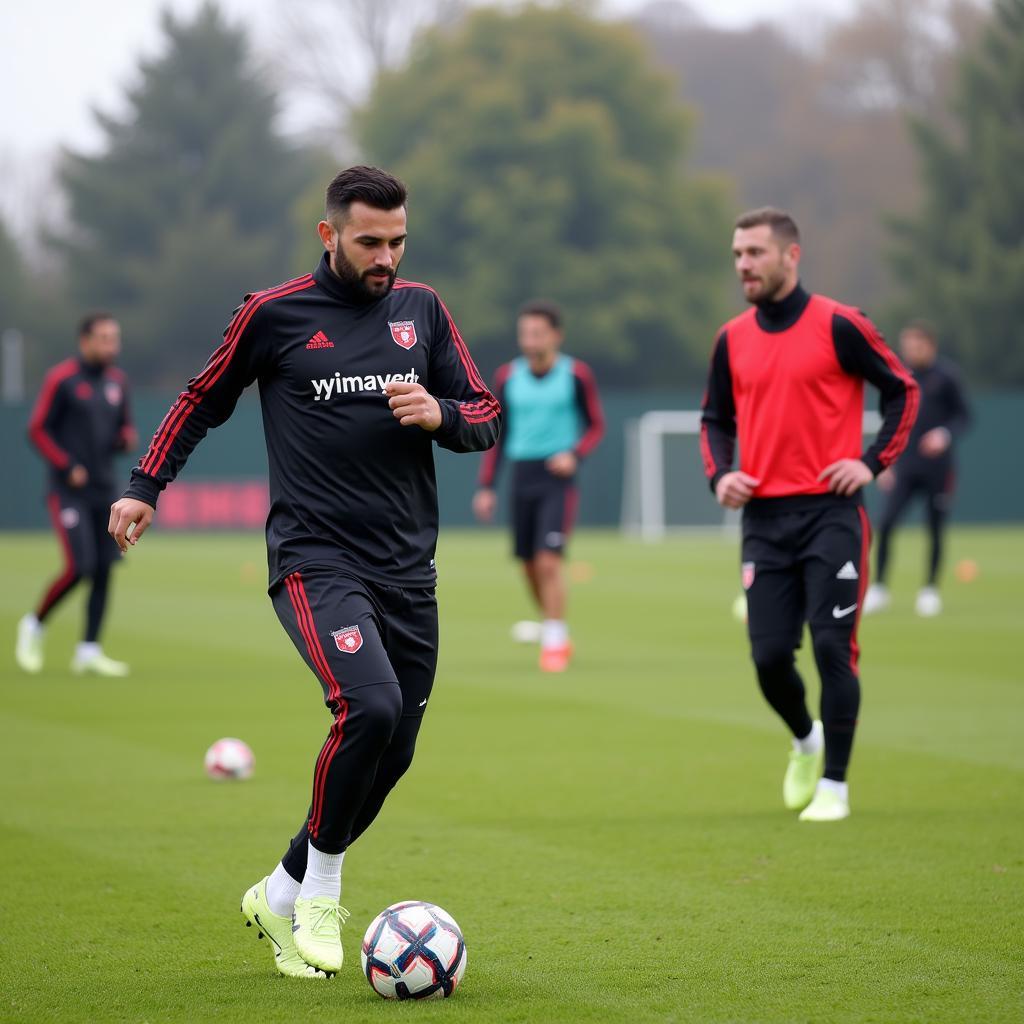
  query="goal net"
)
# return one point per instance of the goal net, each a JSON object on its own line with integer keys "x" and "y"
{"x": 663, "y": 484}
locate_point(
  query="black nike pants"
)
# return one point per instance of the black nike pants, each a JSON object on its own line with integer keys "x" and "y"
{"x": 808, "y": 565}
{"x": 374, "y": 650}
{"x": 933, "y": 480}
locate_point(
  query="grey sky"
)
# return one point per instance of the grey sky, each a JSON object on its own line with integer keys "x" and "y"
{"x": 61, "y": 58}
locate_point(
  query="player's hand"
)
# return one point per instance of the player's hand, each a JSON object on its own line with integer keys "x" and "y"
{"x": 886, "y": 480}
{"x": 412, "y": 405}
{"x": 484, "y": 502}
{"x": 562, "y": 464}
{"x": 847, "y": 476}
{"x": 78, "y": 476}
{"x": 934, "y": 442}
{"x": 124, "y": 513}
{"x": 735, "y": 489}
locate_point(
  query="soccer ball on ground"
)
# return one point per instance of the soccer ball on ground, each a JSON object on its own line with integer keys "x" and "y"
{"x": 229, "y": 758}
{"x": 413, "y": 950}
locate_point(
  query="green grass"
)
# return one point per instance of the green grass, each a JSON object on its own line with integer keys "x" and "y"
{"x": 612, "y": 842}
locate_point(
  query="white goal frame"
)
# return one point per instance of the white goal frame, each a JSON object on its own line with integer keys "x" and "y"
{"x": 643, "y": 490}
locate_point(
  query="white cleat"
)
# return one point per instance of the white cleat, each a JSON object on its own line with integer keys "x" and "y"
{"x": 28, "y": 651}
{"x": 830, "y": 803}
{"x": 928, "y": 603}
{"x": 98, "y": 664}
{"x": 526, "y": 632}
{"x": 877, "y": 598}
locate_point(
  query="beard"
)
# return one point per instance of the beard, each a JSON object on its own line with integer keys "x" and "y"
{"x": 366, "y": 286}
{"x": 768, "y": 287}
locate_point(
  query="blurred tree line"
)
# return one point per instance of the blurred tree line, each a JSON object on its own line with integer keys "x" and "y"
{"x": 550, "y": 153}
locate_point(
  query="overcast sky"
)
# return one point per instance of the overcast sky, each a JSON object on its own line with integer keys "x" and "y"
{"x": 60, "y": 58}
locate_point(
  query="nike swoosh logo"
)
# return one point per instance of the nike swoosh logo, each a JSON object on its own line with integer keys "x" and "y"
{"x": 422, "y": 702}
{"x": 838, "y": 613}
{"x": 268, "y": 935}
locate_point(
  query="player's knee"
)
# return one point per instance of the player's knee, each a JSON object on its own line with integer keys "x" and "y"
{"x": 831, "y": 650}
{"x": 381, "y": 709}
{"x": 771, "y": 654}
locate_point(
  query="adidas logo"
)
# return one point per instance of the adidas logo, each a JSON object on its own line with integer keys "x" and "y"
{"x": 319, "y": 340}
{"x": 848, "y": 572}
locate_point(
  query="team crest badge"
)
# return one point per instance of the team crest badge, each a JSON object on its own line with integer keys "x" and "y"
{"x": 348, "y": 640}
{"x": 403, "y": 332}
{"x": 747, "y": 575}
{"x": 112, "y": 392}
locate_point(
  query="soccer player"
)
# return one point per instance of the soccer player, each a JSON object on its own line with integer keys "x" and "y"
{"x": 553, "y": 420}
{"x": 81, "y": 419}
{"x": 787, "y": 381}
{"x": 926, "y": 467}
{"x": 360, "y": 374}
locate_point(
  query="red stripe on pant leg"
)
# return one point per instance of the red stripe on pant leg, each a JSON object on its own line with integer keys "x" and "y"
{"x": 865, "y": 550}
{"x": 62, "y": 582}
{"x": 329, "y": 748}
{"x": 304, "y": 617}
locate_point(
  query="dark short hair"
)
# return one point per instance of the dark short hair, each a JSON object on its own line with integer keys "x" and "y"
{"x": 88, "y": 322}
{"x": 782, "y": 224}
{"x": 541, "y": 307}
{"x": 923, "y": 327}
{"x": 363, "y": 184}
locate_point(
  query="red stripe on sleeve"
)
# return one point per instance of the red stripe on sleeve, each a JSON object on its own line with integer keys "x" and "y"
{"x": 909, "y": 414}
{"x": 489, "y": 463}
{"x": 37, "y": 432}
{"x": 592, "y": 437}
{"x": 219, "y": 362}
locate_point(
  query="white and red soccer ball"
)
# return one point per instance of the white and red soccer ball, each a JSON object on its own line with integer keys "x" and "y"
{"x": 413, "y": 950}
{"x": 229, "y": 758}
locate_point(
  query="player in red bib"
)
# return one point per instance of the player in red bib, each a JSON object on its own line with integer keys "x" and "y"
{"x": 787, "y": 382}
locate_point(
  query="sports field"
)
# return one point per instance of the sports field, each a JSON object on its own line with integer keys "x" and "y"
{"x": 612, "y": 842}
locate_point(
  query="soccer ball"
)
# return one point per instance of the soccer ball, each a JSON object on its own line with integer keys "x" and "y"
{"x": 229, "y": 759}
{"x": 413, "y": 950}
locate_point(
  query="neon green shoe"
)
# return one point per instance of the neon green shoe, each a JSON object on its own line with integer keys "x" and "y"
{"x": 98, "y": 664}
{"x": 802, "y": 774}
{"x": 316, "y": 929}
{"x": 827, "y": 805}
{"x": 279, "y": 930}
{"x": 28, "y": 652}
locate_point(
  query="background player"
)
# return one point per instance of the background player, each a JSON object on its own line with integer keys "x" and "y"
{"x": 926, "y": 467}
{"x": 787, "y": 380}
{"x": 359, "y": 374}
{"x": 80, "y": 421}
{"x": 553, "y": 419}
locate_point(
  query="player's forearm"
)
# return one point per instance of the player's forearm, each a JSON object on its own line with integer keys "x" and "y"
{"x": 468, "y": 426}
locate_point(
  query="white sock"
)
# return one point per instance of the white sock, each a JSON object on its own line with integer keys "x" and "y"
{"x": 554, "y": 633}
{"x": 831, "y": 786}
{"x": 32, "y": 622}
{"x": 812, "y": 742}
{"x": 323, "y": 874}
{"x": 87, "y": 650}
{"x": 281, "y": 892}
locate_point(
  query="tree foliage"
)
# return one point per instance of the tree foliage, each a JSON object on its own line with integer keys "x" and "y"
{"x": 961, "y": 258}
{"x": 544, "y": 155}
{"x": 187, "y": 206}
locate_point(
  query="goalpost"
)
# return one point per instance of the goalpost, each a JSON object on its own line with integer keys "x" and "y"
{"x": 663, "y": 484}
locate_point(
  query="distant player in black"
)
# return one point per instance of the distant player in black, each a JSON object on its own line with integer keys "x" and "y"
{"x": 80, "y": 421}
{"x": 927, "y": 467}
{"x": 359, "y": 374}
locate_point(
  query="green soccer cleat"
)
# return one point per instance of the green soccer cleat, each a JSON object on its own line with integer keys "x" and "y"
{"x": 279, "y": 930}
{"x": 98, "y": 665}
{"x": 827, "y": 805}
{"x": 28, "y": 651}
{"x": 802, "y": 775}
{"x": 316, "y": 929}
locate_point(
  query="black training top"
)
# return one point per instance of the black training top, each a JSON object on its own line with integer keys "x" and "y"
{"x": 943, "y": 404}
{"x": 350, "y": 487}
{"x": 82, "y": 418}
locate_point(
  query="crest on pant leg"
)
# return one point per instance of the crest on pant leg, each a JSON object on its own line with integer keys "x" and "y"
{"x": 348, "y": 640}
{"x": 747, "y": 575}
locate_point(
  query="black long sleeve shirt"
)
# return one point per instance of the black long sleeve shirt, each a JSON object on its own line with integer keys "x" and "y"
{"x": 943, "y": 404}
{"x": 349, "y": 486}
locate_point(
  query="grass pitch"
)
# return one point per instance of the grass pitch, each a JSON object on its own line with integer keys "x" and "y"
{"x": 612, "y": 842}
